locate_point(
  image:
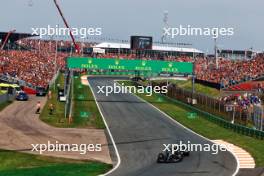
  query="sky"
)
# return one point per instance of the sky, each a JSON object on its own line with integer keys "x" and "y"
{"x": 119, "y": 19}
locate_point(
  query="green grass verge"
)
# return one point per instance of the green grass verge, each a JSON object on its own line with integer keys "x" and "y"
{"x": 85, "y": 110}
{"x": 57, "y": 119}
{"x": 4, "y": 105}
{"x": 198, "y": 87}
{"x": 204, "y": 127}
{"x": 21, "y": 164}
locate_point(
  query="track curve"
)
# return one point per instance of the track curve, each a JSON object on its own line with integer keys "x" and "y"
{"x": 139, "y": 131}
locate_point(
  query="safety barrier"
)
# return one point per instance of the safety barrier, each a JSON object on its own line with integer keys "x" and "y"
{"x": 122, "y": 73}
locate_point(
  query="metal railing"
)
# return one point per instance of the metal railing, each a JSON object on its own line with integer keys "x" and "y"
{"x": 211, "y": 105}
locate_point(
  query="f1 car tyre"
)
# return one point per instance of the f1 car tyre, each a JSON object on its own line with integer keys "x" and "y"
{"x": 175, "y": 158}
{"x": 161, "y": 158}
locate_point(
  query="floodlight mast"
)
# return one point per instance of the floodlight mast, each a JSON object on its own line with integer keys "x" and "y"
{"x": 166, "y": 25}
{"x": 76, "y": 46}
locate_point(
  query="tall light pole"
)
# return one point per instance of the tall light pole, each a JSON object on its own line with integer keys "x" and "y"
{"x": 55, "y": 65}
{"x": 216, "y": 54}
{"x": 166, "y": 25}
{"x": 234, "y": 112}
{"x": 215, "y": 50}
{"x": 193, "y": 75}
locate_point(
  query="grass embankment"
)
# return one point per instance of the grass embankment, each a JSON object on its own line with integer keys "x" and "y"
{"x": 85, "y": 110}
{"x": 204, "y": 127}
{"x": 21, "y": 164}
{"x": 4, "y": 105}
{"x": 187, "y": 85}
{"x": 57, "y": 119}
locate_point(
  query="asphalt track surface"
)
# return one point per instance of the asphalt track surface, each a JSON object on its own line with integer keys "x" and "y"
{"x": 139, "y": 131}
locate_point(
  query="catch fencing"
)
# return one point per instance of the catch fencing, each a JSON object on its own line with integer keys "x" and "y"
{"x": 210, "y": 104}
{"x": 213, "y": 110}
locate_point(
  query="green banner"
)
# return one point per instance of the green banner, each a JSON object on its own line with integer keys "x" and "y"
{"x": 125, "y": 64}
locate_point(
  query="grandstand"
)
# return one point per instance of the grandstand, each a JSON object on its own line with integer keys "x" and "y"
{"x": 39, "y": 70}
{"x": 29, "y": 63}
{"x": 230, "y": 72}
{"x": 236, "y": 54}
{"x": 8, "y": 39}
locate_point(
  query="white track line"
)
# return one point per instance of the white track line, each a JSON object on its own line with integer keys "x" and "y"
{"x": 238, "y": 163}
{"x": 109, "y": 132}
{"x": 118, "y": 156}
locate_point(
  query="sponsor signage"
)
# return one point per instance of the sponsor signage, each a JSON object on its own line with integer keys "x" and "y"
{"x": 133, "y": 65}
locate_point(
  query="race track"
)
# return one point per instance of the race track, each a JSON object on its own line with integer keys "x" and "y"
{"x": 139, "y": 131}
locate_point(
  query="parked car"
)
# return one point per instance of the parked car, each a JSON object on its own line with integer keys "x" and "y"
{"x": 22, "y": 96}
{"x": 41, "y": 91}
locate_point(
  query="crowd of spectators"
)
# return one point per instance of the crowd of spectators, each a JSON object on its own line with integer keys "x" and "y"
{"x": 226, "y": 72}
{"x": 34, "y": 67}
{"x": 33, "y": 61}
{"x": 35, "y": 64}
{"x": 133, "y": 56}
{"x": 50, "y": 45}
{"x": 229, "y": 72}
{"x": 243, "y": 101}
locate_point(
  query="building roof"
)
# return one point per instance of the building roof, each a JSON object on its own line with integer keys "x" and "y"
{"x": 154, "y": 47}
{"x": 15, "y": 36}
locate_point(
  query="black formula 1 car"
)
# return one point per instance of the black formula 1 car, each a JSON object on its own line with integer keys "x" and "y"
{"x": 172, "y": 157}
